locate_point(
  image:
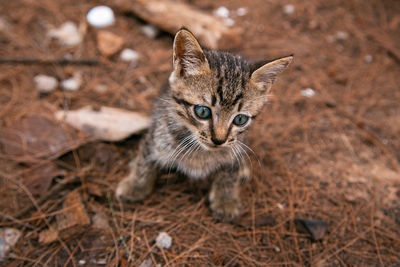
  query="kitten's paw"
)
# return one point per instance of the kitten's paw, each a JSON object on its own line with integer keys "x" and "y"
{"x": 127, "y": 192}
{"x": 226, "y": 211}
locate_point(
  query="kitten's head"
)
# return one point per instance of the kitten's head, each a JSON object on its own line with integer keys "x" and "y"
{"x": 217, "y": 95}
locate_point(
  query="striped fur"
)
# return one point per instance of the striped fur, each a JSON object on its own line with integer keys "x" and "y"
{"x": 203, "y": 148}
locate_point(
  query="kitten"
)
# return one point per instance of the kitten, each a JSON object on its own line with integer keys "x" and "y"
{"x": 199, "y": 123}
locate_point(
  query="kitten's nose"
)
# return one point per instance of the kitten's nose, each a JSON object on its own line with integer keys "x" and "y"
{"x": 217, "y": 141}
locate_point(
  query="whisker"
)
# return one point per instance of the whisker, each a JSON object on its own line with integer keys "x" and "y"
{"x": 251, "y": 150}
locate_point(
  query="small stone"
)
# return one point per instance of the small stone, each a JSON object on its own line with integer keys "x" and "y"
{"x": 100, "y": 16}
{"x": 163, "y": 240}
{"x": 241, "y": 11}
{"x": 146, "y": 263}
{"x": 100, "y": 221}
{"x": 129, "y": 55}
{"x": 109, "y": 43}
{"x": 316, "y": 228}
{"x": 280, "y": 206}
{"x": 308, "y": 92}
{"x": 81, "y": 262}
{"x": 229, "y": 22}
{"x": 8, "y": 238}
{"x": 150, "y": 31}
{"x": 289, "y": 9}
{"x": 73, "y": 83}
{"x": 101, "y": 88}
{"x": 368, "y": 59}
{"x": 222, "y": 12}
{"x": 277, "y": 249}
{"x": 4, "y": 25}
{"x": 341, "y": 36}
{"x": 44, "y": 83}
{"x": 67, "y": 34}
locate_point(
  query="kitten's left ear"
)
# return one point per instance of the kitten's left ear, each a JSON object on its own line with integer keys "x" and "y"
{"x": 188, "y": 57}
{"x": 265, "y": 75}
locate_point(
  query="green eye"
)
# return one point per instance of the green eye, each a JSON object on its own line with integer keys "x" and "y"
{"x": 202, "y": 112}
{"x": 240, "y": 120}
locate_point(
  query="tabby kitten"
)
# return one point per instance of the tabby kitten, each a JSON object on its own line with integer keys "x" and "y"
{"x": 199, "y": 123}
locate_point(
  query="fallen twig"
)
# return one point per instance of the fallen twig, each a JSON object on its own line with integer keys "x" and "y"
{"x": 40, "y": 61}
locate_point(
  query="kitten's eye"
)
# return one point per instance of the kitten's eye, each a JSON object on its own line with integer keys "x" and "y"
{"x": 240, "y": 120}
{"x": 202, "y": 112}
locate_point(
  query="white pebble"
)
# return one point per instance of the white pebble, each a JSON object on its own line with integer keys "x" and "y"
{"x": 44, "y": 83}
{"x": 308, "y": 92}
{"x": 241, "y": 11}
{"x": 289, "y": 9}
{"x": 129, "y": 55}
{"x": 368, "y": 59}
{"x": 341, "y": 36}
{"x": 280, "y": 206}
{"x": 81, "y": 262}
{"x": 277, "y": 249}
{"x": 150, "y": 31}
{"x": 163, "y": 240}
{"x": 222, "y": 12}
{"x": 100, "y": 16}
{"x": 68, "y": 34}
{"x": 101, "y": 88}
{"x": 73, "y": 83}
{"x": 229, "y": 22}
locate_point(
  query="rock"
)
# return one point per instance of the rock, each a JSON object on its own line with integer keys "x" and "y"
{"x": 289, "y": 9}
{"x": 72, "y": 220}
{"x": 68, "y": 34}
{"x": 316, "y": 228}
{"x": 74, "y": 214}
{"x": 229, "y": 22}
{"x": 308, "y": 92}
{"x": 241, "y": 11}
{"x": 44, "y": 83}
{"x": 8, "y": 238}
{"x": 163, "y": 240}
{"x": 150, "y": 31}
{"x": 109, "y": 43}
{"x": 222, "y": 12}
{"x": 368, "y": 59}
{"x": 73, "y": 83}
{"x": 147, "y": 263}
{"x": 101, "y": 88}
{"x": 35, "y": 137}
{"x": 48, "y": 236}
{"x": 100, "y": 16}
{"x": 100, "y": 221}
{"x": 108, "y": 124}
{"x": 130, "y": 55}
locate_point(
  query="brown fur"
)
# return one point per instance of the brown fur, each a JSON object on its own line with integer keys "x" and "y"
{"x": 203, "y": 148}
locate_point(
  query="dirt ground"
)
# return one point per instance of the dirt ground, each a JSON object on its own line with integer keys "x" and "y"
{"x": 334, "y": 156}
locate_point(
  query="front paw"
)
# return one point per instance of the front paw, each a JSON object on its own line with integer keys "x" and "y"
{"x": 227, "y": 210}
{"x": 127, "y": 191}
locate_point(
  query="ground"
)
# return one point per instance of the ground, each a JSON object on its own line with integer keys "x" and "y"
{"x": 334, "y": 156}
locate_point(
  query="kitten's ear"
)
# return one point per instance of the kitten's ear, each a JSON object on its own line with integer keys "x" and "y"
{"x": 265, "y": 75}
{"x": 188, "y": 57}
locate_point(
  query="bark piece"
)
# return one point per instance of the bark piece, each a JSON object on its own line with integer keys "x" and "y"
{"x": 170, "y": 16}
{"x": 109, "y": 124}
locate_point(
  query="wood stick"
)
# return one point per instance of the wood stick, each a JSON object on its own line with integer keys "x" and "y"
{"x": 40, "y": 61}
{"x": 171, "y": 16}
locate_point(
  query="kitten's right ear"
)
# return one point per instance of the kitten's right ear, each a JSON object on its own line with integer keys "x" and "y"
{"x": 188, "y": 57}
{"x": 264, "y": 75}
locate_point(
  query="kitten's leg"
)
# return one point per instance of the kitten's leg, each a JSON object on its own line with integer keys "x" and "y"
{"x": 224, "y": 195}
{"x": 139, "y": 183}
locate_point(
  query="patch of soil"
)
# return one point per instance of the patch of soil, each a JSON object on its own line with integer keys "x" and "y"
{"x": 333, "y": 157}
